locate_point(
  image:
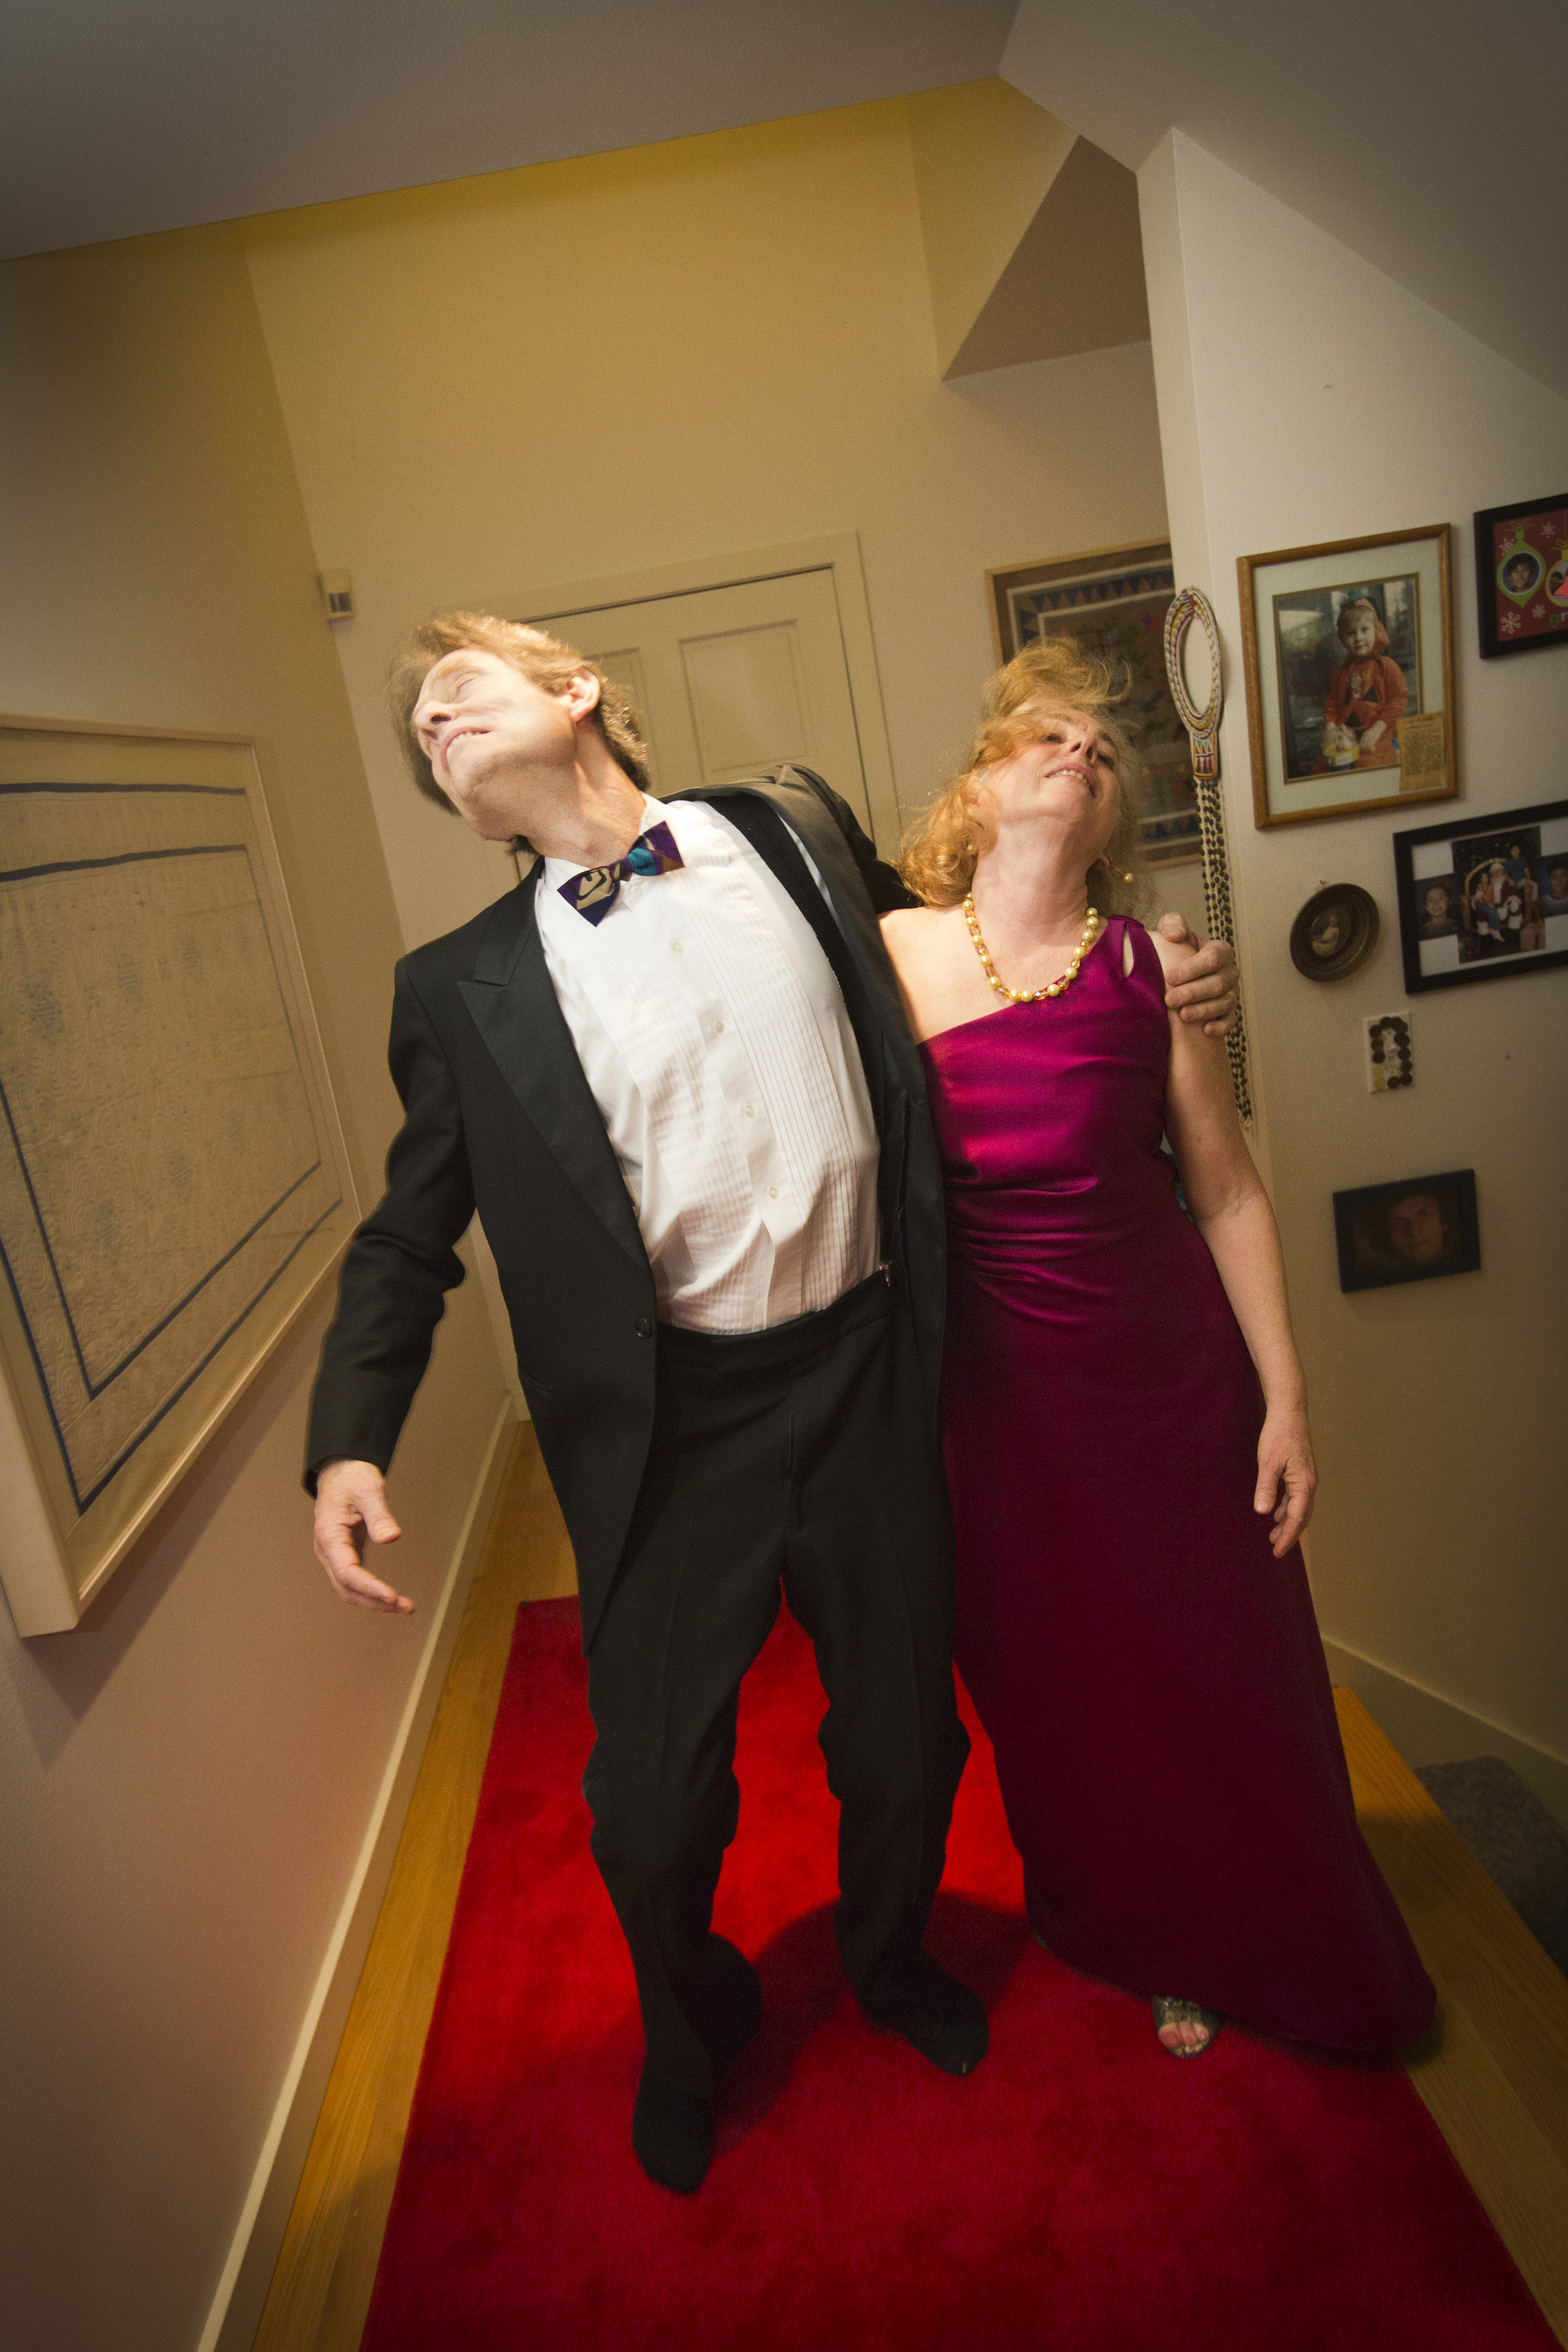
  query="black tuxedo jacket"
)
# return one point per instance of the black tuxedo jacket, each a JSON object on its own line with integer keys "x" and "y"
{"x": 499, "y": 1118}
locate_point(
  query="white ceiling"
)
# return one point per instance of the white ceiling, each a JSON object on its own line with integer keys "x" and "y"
{"x": 120, "y": 116}
{"x": 1425, "y": 134}
{"x": 1428, "y": 135}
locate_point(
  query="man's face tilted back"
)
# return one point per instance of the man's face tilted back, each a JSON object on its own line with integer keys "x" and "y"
{"x": 499, "y": 747}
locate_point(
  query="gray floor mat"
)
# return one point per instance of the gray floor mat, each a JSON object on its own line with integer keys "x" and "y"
{"x": 1513, "y": 1837}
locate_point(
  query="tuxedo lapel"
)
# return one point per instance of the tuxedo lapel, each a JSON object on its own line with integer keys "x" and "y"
{"x": 515, "y": 1012}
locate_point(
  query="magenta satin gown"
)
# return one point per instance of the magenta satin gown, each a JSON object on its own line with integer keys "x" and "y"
{"x": 1151, "y": 1676}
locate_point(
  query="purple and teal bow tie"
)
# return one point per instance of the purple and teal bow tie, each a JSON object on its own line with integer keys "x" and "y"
{"x": 594, "y": 891}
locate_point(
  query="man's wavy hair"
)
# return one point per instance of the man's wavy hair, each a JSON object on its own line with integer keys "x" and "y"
{"x": 943, "y": 846}
{"x": 542, "y": 660}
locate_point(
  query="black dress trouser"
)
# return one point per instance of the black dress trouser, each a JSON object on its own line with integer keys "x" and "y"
{"x": 802, "y": 1453}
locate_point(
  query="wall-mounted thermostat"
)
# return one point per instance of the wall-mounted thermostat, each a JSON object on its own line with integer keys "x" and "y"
{"x": 337, "y": 595}
{"x": 1390, "y": 1063}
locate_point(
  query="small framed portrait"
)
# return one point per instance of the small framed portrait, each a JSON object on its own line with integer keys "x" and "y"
{"x": 1522, "y": 576}
{"x": 1483, "y": 896}
{"x": 1348, "y": 652}
{"x": 1408, "y": 1231}
{"x": 1113, "y": 604}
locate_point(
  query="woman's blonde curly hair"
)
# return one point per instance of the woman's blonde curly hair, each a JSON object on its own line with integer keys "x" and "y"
{"x": 943, "y": 846}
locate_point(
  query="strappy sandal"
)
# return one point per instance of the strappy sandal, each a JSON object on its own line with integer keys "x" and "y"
{"x": 1168, "y": 2011}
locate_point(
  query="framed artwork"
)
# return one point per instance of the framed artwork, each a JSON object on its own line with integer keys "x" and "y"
{"x": 1522, "y": 576}
{"x": 1348, "y": 651}
{"x": 1410, "y": 1231}
{"x": 173, "y": 1184}
{"x": 1113, "y": 604}
{"x": 1483, "y": 896}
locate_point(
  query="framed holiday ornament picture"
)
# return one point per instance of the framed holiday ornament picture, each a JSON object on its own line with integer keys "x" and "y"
{"x": 1522, "y": 576}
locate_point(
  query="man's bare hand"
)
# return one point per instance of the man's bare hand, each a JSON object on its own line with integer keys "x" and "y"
{"x": 1204, "y": 988}
{"x": 351, "y": 1505}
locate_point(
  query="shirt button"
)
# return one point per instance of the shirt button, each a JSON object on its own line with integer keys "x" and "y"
{"x": 749, "y": 1112}
{"x": 675, "y": 948}
{"x": 644, "y": 1327}
{"x": 773, "y": 1191}
{"x": 718, "y": 1028}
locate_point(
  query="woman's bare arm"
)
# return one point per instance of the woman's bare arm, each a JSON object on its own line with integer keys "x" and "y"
{"x": 1231, "y": 1210}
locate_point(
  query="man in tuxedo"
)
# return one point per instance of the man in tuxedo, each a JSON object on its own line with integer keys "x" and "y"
{"x": 671, "y": 1072}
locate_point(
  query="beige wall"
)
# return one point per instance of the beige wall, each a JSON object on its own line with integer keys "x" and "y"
{"x": 1305, "y": 397}
{"x": 186, "y": 1781}
{"x": 675, "y": 352}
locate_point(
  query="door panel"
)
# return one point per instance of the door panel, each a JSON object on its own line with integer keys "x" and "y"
{"x": 731, "y": 679}
{"x": 747, "y": 696}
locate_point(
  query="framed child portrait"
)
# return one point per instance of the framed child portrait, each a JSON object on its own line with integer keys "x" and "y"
{"x": 1483, "y": 896}
{"x": 1522, "y": 576}
{"x": 1348, "y": 652}
{"x": 1113, "y": 604}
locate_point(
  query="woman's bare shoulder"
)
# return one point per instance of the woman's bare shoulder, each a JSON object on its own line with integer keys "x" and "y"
{"x": 913, "y": 931}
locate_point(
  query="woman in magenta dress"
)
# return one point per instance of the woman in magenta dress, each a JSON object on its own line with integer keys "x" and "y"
{"x": 1126, "y": 1421}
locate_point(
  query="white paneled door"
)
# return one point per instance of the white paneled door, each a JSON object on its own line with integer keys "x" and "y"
{"x": 732, "y": 679}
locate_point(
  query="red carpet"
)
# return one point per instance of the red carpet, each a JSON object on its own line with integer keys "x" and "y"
{"x": 1082, "y": 2193}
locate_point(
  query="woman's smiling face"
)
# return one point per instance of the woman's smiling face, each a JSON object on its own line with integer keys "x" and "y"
{"x": 1066, "y": 773}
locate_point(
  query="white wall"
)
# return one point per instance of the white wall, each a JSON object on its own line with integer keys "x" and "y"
{"x": 187, "y": 1780}
{"x": 1304, "y": 397}
{"x": 669, "y": 354}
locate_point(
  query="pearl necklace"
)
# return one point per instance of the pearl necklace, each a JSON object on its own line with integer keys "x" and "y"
{"x": 1030, "y": 995}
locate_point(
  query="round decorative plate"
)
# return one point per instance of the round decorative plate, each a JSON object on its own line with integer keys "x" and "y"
{"x": 1335, "y": 932}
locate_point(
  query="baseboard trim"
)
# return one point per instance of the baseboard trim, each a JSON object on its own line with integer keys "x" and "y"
{"x": 237, "y": 2306}
{"x": 1428, "y": 1729}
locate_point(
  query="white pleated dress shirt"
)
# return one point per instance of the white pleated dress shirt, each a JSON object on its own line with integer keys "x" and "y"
{"x": 716, "y": 1042}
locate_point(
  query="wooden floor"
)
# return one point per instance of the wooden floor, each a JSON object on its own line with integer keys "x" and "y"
{"x": 322, "y": 2288}
{"x": 1494, "y": 2073}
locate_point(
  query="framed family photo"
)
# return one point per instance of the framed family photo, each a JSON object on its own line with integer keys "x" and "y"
{"x": 1522, "y": 576}
{"x": 1410, "y": 1231}
{"x": 1348, "y": 654}
{"x": 1113, "y": 604}
{"x": 1484, "y": 896}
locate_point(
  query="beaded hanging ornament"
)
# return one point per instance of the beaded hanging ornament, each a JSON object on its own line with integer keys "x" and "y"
{"x": 1191, "y": 604}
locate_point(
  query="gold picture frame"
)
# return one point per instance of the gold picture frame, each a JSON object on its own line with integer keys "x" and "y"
{"x": 1113, "y": 602}
{"x": 174, "y": 1181}
{"x": 1350, "y": 675}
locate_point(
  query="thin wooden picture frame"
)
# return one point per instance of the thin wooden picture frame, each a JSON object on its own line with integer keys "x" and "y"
{"x": 1297, "y": 680}
{"x": 174, "y": 1184}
